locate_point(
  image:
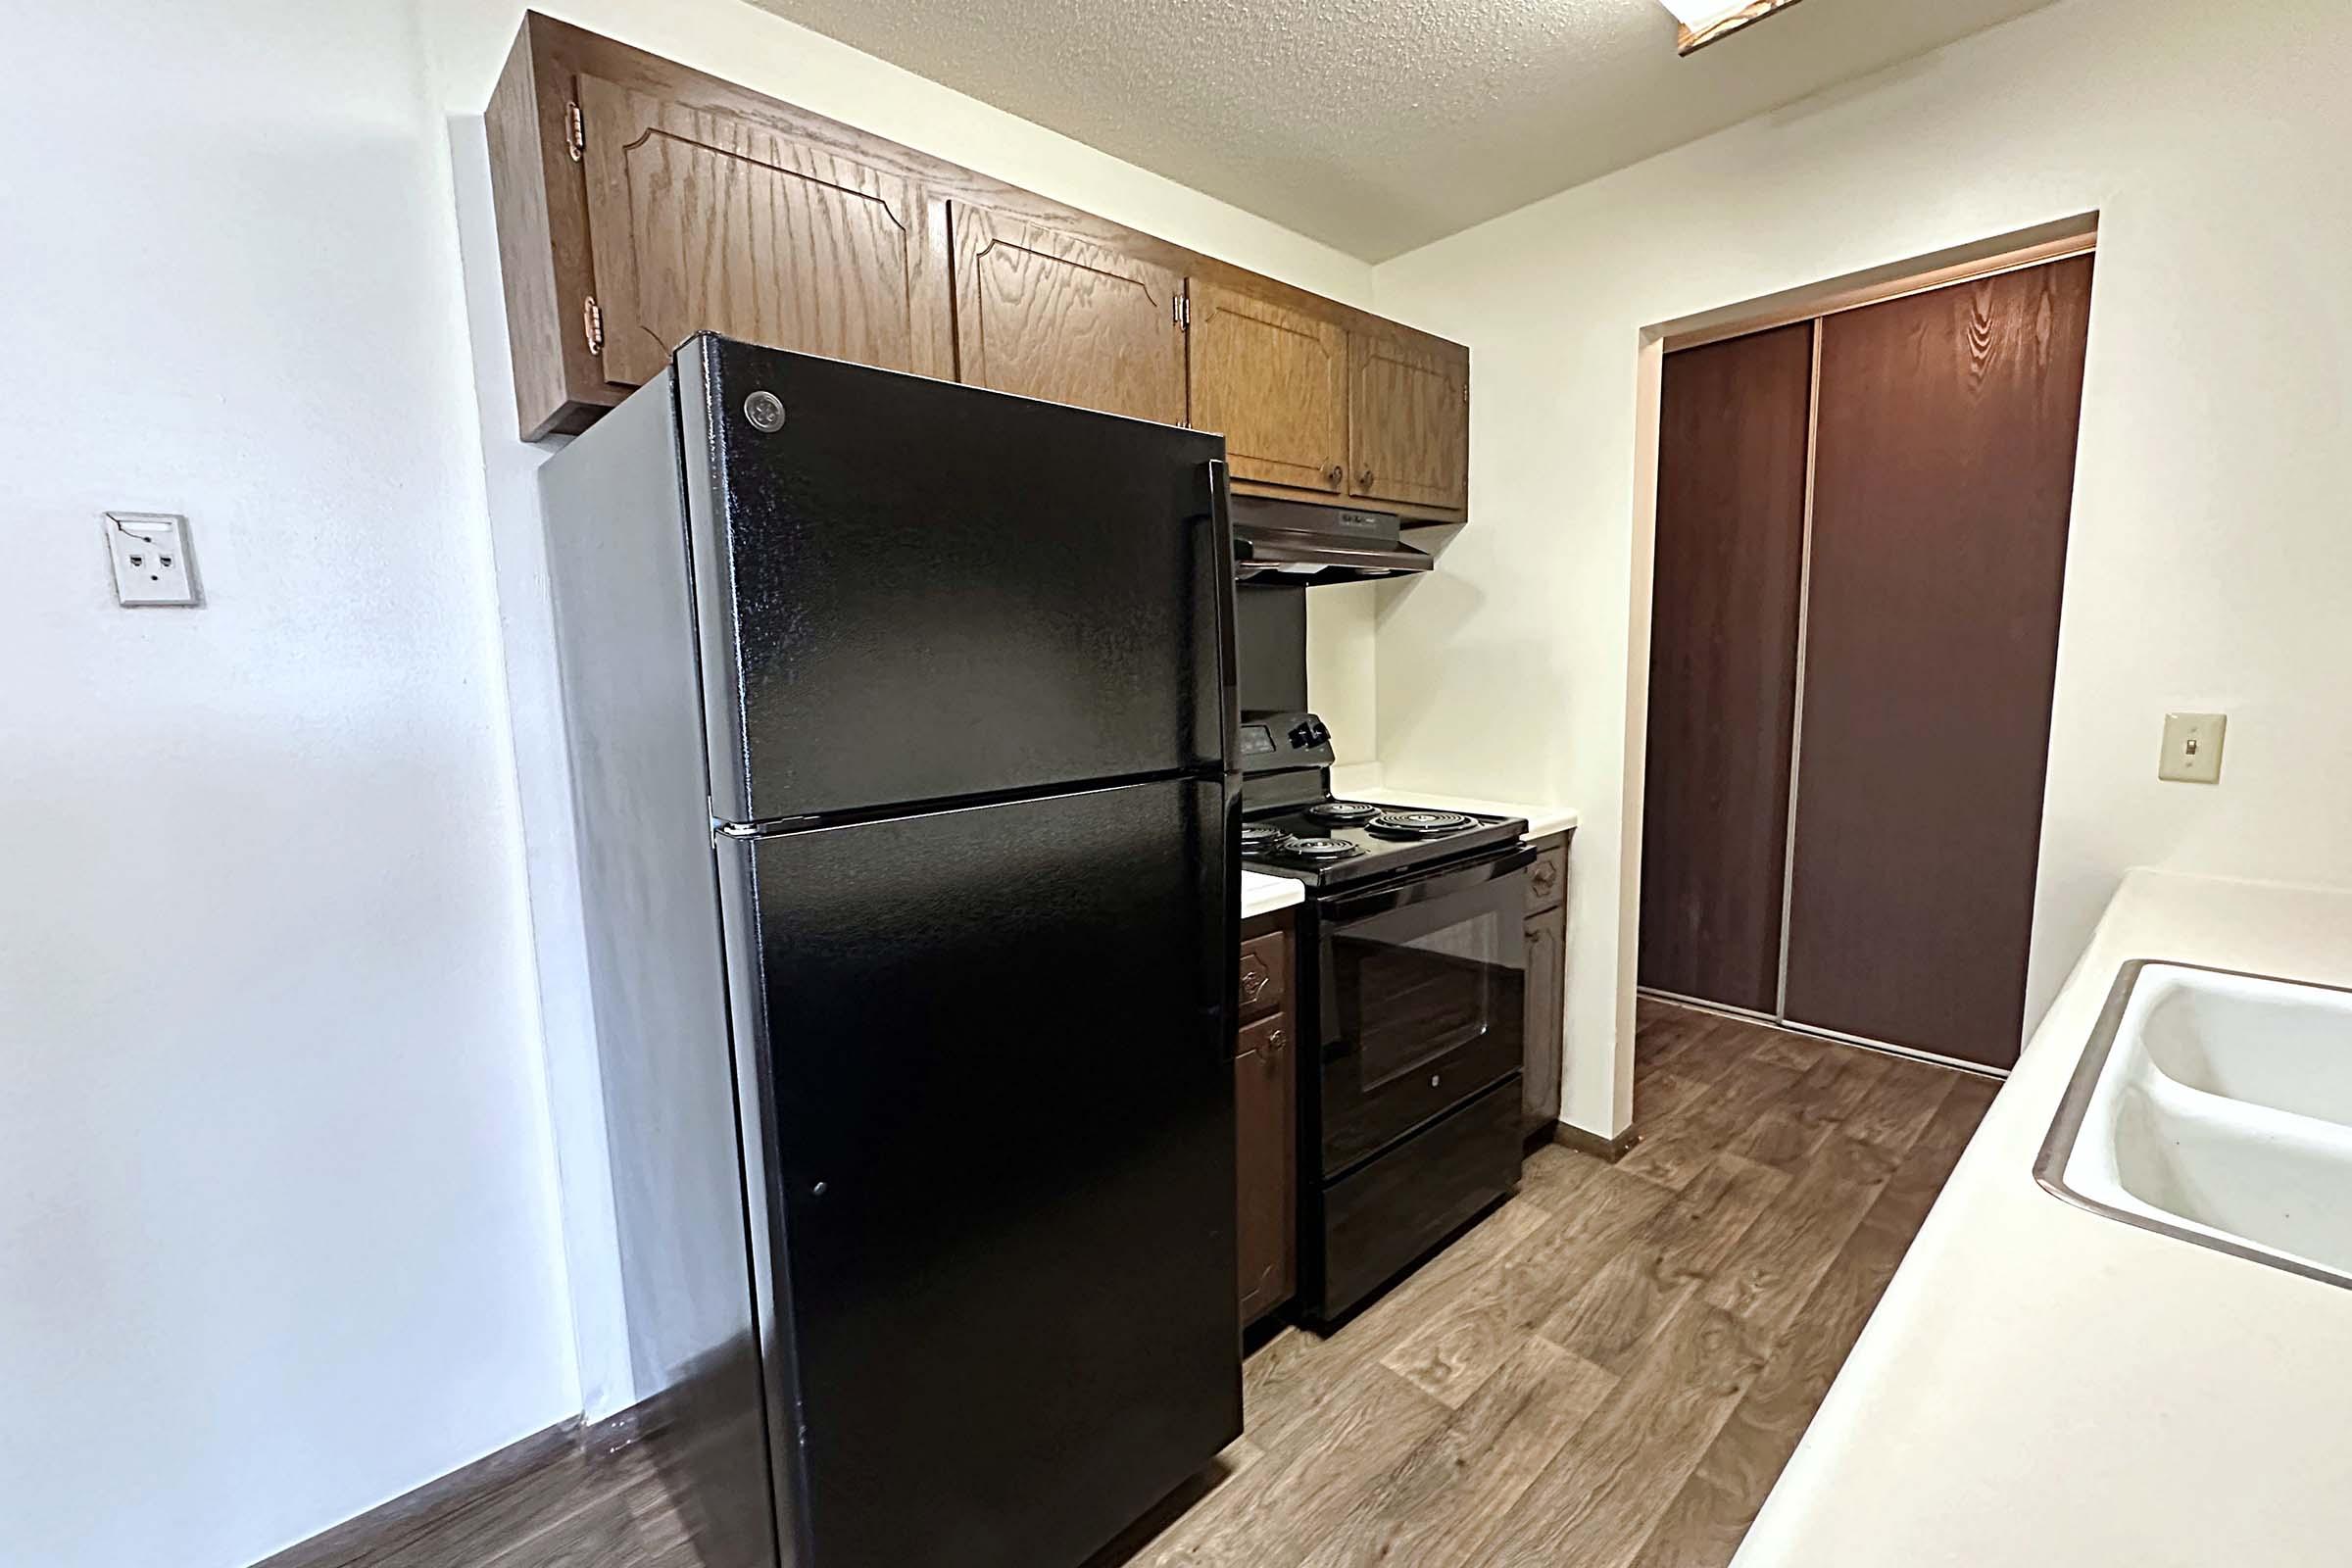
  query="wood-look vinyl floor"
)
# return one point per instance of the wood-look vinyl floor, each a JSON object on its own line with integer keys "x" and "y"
{"x": 1608, "y": 1371}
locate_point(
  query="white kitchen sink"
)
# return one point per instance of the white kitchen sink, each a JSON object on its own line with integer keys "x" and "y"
{"x": 2216, "y": 1108}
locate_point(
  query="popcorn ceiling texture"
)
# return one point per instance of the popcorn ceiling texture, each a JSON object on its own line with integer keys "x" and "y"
{"x": 1377, "y": 125}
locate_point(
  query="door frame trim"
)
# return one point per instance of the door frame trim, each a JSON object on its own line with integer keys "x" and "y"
{"x": 1962, "y": 263}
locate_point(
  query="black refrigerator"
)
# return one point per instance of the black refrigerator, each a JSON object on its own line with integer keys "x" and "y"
{"x": 900, "y": 722}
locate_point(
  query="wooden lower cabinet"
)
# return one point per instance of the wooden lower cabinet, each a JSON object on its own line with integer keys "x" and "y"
{"x": 1265, "y": 1099}
{"x": 1266, "y": 1110}
{"x": 1547, "y": 1014}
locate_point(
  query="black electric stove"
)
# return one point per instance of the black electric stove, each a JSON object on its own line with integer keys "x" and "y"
{"x": 1294, "y": 826}
{"x": 1412, "y": 965}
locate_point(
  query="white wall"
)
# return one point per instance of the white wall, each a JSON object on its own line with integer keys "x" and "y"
{"x": 2211, "y": 541}
{"x": 277, "y": 1229}
{"x": 280, "y": 1232}
{"x": 1342, "y": 667}
{"x": 467, "y": 41}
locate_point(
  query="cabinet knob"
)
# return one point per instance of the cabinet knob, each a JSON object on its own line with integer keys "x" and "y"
{"x": 1365, "y": 479}
{"x": 1277, "y": 1040}
{"x": 1335, "y": 474}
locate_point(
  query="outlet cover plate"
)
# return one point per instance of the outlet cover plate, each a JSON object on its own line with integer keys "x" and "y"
{"x": 149, "y": 551}
{"x": 2192, "y": 748}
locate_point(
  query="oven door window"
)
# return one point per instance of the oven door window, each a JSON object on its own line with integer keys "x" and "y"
{"x": 1422, "y": 1005}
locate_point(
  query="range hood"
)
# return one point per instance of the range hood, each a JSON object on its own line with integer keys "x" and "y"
{"x": 1296, "y": 544}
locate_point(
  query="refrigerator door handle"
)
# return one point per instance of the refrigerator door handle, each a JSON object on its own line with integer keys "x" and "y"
{"x": 1220, "y": 527}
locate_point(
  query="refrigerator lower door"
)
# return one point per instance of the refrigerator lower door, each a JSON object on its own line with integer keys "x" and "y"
{"x": 995, "y": 1061}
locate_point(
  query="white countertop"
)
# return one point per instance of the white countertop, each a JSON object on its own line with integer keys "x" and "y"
{"x": 1264, "y": 895}
{"x": 2046, "y": 1388}
{"x": 1542, "y": 821}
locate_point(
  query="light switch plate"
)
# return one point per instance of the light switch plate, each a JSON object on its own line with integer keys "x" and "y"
{"x": 153, "y": 569}
{"x": 2192, "y": 748}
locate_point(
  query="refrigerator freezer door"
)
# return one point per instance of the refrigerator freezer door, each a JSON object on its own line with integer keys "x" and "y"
{"x": 997, "y": 1052}
{"x": 931, "y": 591}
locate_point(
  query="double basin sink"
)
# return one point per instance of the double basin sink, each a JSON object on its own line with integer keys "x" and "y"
{"x": 2217, "y": 1109}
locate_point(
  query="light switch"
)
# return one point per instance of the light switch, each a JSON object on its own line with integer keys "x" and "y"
{"x": 2192, "y": 748}
{"x": 150, "y": 555}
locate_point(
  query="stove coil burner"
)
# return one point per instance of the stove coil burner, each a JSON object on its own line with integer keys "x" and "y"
{"x": 1319, "y": 851}
{"x": 1343, "y": 812}
{"x": 1420, "y": 824}
{"x": 1261, "y": 837}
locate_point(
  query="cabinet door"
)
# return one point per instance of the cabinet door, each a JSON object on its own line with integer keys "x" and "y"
{"x": 1265, "y": 1098}
{"x": 1547, "y": 1011}
{"x": 1273, "y": 381}
{"x": 704, "y": 221}
{"x": 1051, "y": 315}
{"x": 1408, "y": 422}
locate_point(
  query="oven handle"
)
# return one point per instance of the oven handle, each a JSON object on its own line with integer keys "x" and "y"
{"x": 1345, "y": 907}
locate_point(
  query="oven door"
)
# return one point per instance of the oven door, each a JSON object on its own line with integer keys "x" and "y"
{"x": 1421, "y": 988}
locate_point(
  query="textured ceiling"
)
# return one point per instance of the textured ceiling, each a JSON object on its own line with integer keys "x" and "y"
{"x": 1377, "y": 125}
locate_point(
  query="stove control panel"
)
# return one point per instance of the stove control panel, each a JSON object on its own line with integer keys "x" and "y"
{"x": 1272, "y": 741}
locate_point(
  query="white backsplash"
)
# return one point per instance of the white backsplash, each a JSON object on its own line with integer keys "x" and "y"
{"x": 1340, "y": 668}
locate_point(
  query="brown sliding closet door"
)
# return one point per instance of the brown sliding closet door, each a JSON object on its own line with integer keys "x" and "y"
{"x": 1722, "y": 665}
{"x": 1943, "y": 474}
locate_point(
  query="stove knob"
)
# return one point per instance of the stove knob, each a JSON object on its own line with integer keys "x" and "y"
{"x": 1303, "y": 734}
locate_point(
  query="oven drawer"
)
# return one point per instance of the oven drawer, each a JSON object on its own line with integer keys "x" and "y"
{"x": 1374, "y": 1223}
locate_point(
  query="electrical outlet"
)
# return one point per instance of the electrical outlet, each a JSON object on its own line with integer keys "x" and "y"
{"x": 2192, "y": 748}
{"x": 150, "y": 555}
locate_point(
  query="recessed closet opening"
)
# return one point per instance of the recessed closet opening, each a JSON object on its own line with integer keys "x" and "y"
{"x": 1844, "y": 673}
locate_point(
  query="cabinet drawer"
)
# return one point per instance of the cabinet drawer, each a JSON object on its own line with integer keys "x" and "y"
{"x": 1269, "y": 1037}
{"x": 1547, "y": 878}
{"x": 1265, "y": 974}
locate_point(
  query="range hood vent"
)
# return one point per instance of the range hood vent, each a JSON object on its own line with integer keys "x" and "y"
{"x": 1296, "y": 544}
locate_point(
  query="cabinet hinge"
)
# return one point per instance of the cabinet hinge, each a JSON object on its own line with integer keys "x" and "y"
{"x": 592, "y": 322}
{"x": 1180, "y": 308}
{"x": 575, "y": 133}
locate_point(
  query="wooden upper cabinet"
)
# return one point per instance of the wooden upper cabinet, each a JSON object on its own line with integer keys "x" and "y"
{"x": 699, "y": 220}
{"x": 639, "y": 202}
{"x": 1408, "y": 422}
{"x": 1051, "y": 316}
{"x": 1273, "y": 381}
